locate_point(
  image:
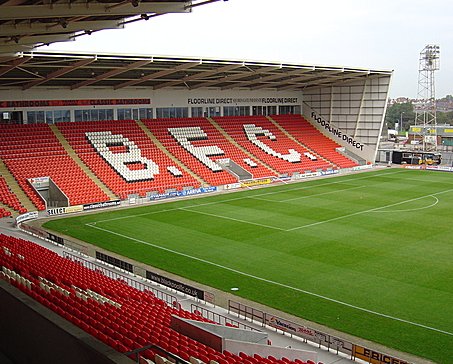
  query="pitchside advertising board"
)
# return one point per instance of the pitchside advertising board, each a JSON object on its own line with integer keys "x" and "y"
{"x": 27, "y": 216}
{"x": 64, "y": 210}
{"x": 375, "y": 357}
{"x": 178, "y": 286}
{"x": 440, "y": 168}
{"x": 80, "y": 208}
{"x": 257, "y": 182}
{"x": 184, "y": 193}
{"x": 310, "y": 334}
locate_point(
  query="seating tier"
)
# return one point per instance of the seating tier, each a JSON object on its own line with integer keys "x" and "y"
{"x": 164, "y": 130}
{"x": 31, "y": 151}
{"x": 307, "y": 134}
{"x": 269, "y": 144}
{"x": 9, "y": 198}
{"x": 123, "y": 132}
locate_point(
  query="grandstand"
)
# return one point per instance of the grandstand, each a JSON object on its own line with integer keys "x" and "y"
{"x": 97, "y": 161}
{"x": 80, "y": 131}
{"x": 240, "y": 124}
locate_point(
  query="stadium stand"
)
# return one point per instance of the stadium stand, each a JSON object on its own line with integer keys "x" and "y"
{"x": 264, "y": 140}
{"x": 122, "y": 156}
{"x": 198, "y": 144}
{"x": 8, "y": 198}
{"x": 308, "y": 135}
{"x": 127, "y": 161}
{"x": 117, "y": 314}
{"x": 31, "y": 151}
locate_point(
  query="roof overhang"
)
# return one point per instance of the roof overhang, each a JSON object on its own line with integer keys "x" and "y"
{"x": 27, "y": 24}
{"x": 85, "y": 70}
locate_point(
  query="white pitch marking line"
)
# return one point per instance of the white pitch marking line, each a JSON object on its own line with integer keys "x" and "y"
{"x": 232, "y": 218}
{"x": 436, "y": 201}
{"x": 272, "y": 282}
{"x": 366, "y": 211}
{"x": 252, "y": 196}
{"x": 308, "y": 196}
{"x": 321, "y": 194}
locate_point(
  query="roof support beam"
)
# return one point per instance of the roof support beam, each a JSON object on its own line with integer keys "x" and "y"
{"x": 305, "y": 79}
{"x": 158, "y": 74}
{"x": 89, "y": 8}
{"x": 33, "y": 40}
{"x": 111, "y": 73}
{"x": 233, "y": 77}
{"x": 14, "y": 48}
{"x": 198, "y": 76}
{"x": 17, "y": 62}
{"x": 59, "y": 72}
{"x": 34, "y": 28}
{"x": 267, "y": 78}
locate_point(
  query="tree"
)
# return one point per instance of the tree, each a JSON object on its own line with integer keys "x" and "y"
{"x": 445, "y": 118}
{"x": 400, "y": 112}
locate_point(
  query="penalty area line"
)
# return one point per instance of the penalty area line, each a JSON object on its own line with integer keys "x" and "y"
{"x": 375, "y": 209}
{"x": 272, "y": 282}
{"x": 231, "y": 218}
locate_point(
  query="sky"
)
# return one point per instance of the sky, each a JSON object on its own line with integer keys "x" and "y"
{"x": 379, "y": 35}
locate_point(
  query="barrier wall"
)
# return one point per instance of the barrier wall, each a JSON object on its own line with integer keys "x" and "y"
{"x": 23, "y": 321}
{"x": 236, "y": 340}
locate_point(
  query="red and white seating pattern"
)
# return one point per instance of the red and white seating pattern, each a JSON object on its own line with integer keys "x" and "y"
{"x": 264, "y": 140}
{"x": 196, "y": 142}
{"x": 121, "y": 316}
{"x": 308, "y": 135}
{"x": 252, "y": 131}
{"x": 31, "y": 151}
{"x": 8, "y": 198}
{"x": 124, "y": 158}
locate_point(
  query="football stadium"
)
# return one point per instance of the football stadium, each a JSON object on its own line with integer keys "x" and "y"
{"x": 158, "y": 209}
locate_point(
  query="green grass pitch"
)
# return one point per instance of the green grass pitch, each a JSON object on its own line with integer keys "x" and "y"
{"x": 369, "y": 254}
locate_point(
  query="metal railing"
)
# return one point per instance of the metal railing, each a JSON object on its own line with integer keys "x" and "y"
{"x": 141, "y": 286}
{"x": 218, "y": 318}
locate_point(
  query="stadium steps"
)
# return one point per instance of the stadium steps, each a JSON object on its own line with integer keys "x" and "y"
{"x": 232, "y": 141}
{"x": 283, "y": 130}
{"x": 70, "y": 151}
{"x": 168, "y": 154}
{"x": 12, "y": 183}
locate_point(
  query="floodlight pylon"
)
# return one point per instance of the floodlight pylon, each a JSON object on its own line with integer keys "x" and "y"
{"x": 426, "y": 110}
